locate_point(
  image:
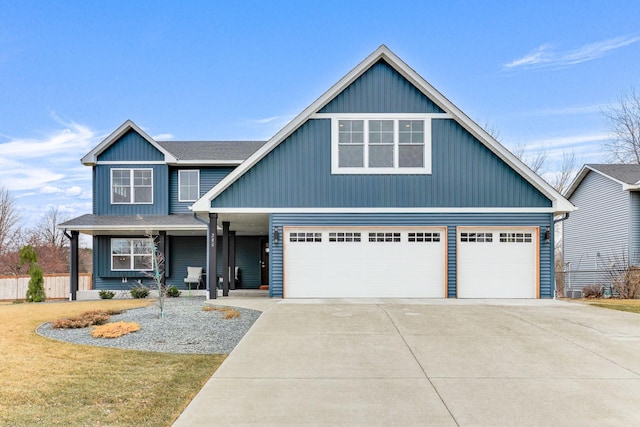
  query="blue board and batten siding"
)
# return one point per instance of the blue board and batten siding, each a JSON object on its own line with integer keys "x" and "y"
{"x": 184, "y": 251}
{"x": 451, "y": 221}
{"x": 209, "y": 177}
{"x": 297, "y": 173}
{"x": 160, "y": 205}
{"x": 130, "y": 149}
{"x": 381, "y": 89}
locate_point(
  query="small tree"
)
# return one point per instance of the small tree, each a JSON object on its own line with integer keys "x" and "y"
{"x": 35, "y": 292}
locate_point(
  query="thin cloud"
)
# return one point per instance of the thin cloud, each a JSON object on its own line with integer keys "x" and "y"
{"x": 567, "y": 141}
{"x": 163, "y": 137}
{"x": 545, "y": 56}
{"x": 265, "y": 120}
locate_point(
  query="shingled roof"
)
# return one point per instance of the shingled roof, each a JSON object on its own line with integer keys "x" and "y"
{"x": 231, "y": 151}
{"x": 627, "y": 174}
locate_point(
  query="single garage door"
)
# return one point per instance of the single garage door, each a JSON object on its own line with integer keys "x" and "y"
{"x": 373, "y": 262}
{"x": 497, "y": 262}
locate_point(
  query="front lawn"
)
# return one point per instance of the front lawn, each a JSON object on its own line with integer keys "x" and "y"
{"x": 46, "y": 382}
{"x": 631, "y": 305}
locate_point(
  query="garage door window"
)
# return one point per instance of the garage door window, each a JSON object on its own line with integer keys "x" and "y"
{"x": 305, "y": 237}
{"x": 384, "y": 237}
{"x": 345, "y": 237}
{"x": 424, "y": 237}
{"x": 476, "y": 237}
{"x": 515, "y": 237}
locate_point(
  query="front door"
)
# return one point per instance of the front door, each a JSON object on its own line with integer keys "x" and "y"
{"x": 264, "y": 263}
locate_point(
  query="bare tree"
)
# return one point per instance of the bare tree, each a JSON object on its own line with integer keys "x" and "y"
{"x": 9, "y": 219}
{"x": 535, "y": 160}
{"x": 624, "y": 124}
{"x": 566, "y": 173}
{"x": 47, "y": 232}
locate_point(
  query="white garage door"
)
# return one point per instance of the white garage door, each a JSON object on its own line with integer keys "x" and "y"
{"x": 340, "y": 262}
{"x": 497, "y": 262}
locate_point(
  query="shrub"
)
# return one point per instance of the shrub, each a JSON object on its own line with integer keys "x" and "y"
{"x": 592, "y": 291}
{"x": 140, "y": 291}
{"x": 104, "y": 294}
{"x": 173, "y": 292}
{"x": 114, "y": 329}
{"x": 35, "y": 291}
{"x": 83, "y": 320}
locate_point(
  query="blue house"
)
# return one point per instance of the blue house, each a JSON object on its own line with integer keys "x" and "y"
{"x": 380, "y": 188}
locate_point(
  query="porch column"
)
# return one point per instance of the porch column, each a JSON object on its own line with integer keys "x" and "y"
{"x": 232, "y": 259}
{"x": 73, "y": 267}
{"x": 212, "y": 260}
{"x": 225, "y": 258}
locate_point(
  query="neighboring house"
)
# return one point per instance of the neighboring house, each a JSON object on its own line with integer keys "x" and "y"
{"x": 380, "y": 188}
{"x": 603, "y": 235}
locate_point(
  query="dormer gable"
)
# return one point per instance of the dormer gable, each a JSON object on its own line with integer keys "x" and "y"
{"x": 128, "y": 143}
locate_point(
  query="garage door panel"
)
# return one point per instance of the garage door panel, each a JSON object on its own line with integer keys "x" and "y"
{"x": 365, "y": 268}
{"x": 498, "y": 262}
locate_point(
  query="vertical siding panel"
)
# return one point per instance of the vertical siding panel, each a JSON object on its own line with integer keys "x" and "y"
{"x": 291, "y": 174}
{"x": 131, "y": 147}
{"x": 209, "y": 177}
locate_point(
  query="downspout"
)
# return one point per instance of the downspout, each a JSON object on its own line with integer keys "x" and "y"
{"x": 564, "y": 217}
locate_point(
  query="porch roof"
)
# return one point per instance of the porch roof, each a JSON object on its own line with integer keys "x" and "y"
{"x": 135, "y": 224}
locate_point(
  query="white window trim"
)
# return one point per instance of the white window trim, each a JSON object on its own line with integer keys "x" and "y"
{"x": 131, "y": 197}
{"x": 128, "y": 255}
{"x": 180, "y": 199}
{"x": 366, "y": 170}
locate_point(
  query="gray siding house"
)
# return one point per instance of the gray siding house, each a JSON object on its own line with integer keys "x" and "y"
{"x": 381, "y": 188}
{"x": 603, "y": 234}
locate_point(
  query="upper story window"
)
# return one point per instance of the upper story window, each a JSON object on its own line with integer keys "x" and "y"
{"x": 129, "y": 186}
{"x": 381, "y": 144}
{"x": 131, "y": 254}
{"x": 188, "y": 185}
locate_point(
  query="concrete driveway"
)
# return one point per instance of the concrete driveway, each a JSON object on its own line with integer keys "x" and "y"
{"x": 427, "y": 363}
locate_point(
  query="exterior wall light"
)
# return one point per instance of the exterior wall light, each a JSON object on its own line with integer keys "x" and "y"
{"x": 276, "y": 234}
{"x": 547, "y": 235}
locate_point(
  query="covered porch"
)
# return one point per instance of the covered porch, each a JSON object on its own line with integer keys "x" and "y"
{"x": 240, "y": 243}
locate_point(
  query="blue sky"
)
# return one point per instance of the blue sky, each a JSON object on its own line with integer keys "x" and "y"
{"x": 71, "y": 72}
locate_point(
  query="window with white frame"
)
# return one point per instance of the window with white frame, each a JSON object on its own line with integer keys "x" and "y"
{"x": 188, "y": 185}
{"x": 131, "y": 254}
{"x": 131, "y": 186}
{"x": 381, "y": 144}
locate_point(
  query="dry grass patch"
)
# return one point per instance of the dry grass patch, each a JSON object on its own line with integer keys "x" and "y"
{"x": 114, "y": 329}
{"x": 227, "y": 312}
{"x": 630, "y": 305}
{"x": 46, "y": 382}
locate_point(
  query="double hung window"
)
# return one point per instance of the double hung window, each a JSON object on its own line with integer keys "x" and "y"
{"x": 381, "y": 145}
{"x": 131, "y": 254}
{"x": 189, "y": 185}
{"x": 131, "y": 186}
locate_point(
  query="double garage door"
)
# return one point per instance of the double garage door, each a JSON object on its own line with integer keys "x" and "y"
{"x": 408, "y": 262}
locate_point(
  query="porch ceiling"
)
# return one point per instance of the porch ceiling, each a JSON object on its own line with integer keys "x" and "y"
{"x": 246, "y": 224}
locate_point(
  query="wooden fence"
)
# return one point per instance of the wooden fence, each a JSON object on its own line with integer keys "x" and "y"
{"x": 56, "y": 286}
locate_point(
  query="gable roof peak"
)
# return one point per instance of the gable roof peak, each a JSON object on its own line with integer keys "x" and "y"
{"x": 91, "y": 157}
{"x": 560, "y": 204}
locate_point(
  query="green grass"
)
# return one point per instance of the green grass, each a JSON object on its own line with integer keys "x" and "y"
{"x": 46, "y": 382}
